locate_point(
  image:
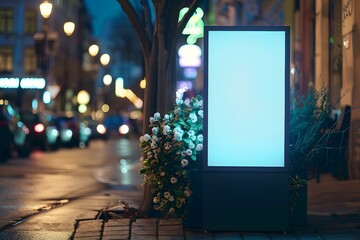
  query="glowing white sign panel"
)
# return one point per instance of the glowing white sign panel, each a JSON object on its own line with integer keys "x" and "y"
{"x": 33, "y": 83}
{"x": 246, "y": 98}
{"x": 9, "y": 82}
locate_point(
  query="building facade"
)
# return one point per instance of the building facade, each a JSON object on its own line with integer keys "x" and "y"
{"x": 36, "y": 55}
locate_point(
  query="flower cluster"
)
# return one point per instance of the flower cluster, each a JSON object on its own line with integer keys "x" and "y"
{"x": 170, "y": 154}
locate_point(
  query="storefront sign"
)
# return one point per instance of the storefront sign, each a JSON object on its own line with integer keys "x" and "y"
{"x": 24, "y": 83}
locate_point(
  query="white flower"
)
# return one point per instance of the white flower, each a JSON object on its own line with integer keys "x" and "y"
{"x": 193, "y": 137}
{"x": 149, "y": 154}
{"x": 187, "y": 102}
{"x": 191, "y": 133}
{"x": 196, "y": 104}
{"x": 187, "y": 193}
{"x": 201, "y": 113}
{"x": 166, "y": 195}
{"x": 167, "y": 117}
{"x": 171, "y": 198}
{"x": 184, "y": 162}
{"x": 166, "y": 129}
{"x": 162, "y": 173}
{"x": 188, "y": 152}
{"x": 200, "y": 138}
{"x": 191, "y": 145}
{"x": 147, "y": 137}
{"x": 179, "y": 101}
{"x": 201, "y": 103}
{"x": 193, "y": 117}
{"x": 155, "y": 130}
{"x": 157, "y": 116}
{"x": 173, "y": 180}
{"x": 199, "y": 147}
{"x": 142, "y": 139}
{"x": 152, "y": 120}
{"x": 156, "y": 199}
{"x": 153, "y": 145}
{"x": 183, "y": 153}
{"x": 178, "y": 133}
{"x": 177, "y": 111}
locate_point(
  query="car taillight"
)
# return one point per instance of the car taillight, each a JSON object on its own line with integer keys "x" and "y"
{"x": 39, "y": 128}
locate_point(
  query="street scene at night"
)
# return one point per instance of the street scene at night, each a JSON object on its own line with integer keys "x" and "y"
{"x": 193, "y": 119}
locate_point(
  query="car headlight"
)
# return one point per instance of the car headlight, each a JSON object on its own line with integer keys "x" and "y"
{"x": 100, "y": 128}
{"x": 124, "y": 129}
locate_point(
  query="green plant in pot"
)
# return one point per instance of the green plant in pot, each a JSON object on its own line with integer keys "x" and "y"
{"x": 308, "y": 135}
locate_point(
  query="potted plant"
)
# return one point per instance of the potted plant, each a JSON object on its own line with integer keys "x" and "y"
{"x": 308, "y": 137}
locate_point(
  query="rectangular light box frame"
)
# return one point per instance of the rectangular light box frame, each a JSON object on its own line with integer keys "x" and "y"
{"x": 246, "y": 93}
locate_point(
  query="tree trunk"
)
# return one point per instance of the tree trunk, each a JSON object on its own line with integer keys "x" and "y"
{"x": 159, "y": 56}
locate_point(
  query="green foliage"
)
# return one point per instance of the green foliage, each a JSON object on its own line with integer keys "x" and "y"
{"x": 308, "y": 116}
{"x": 308, "y": 119}
{"x": 171, "y": 151}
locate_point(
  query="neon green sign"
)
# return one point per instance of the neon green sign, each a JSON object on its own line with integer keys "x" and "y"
{"x": 195, "y": 26}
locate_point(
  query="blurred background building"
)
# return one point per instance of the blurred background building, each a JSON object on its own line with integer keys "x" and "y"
{"x": 34, "y": 49}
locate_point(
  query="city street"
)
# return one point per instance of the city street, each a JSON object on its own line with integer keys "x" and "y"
{"x": 57, "y": 180}
{"x": 61, "y": 195}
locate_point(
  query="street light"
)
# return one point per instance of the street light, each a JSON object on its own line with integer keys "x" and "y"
{"x": 105, "y": 59}
{"x": 93, "y": 50}
{"x": 45, "y": 9}
{"x": 69, "y": 28}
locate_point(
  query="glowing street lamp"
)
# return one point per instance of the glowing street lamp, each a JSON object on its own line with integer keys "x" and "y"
{"x": 107, "y": 79}
{"x": 45, "y": 9}
{"x": 105, "y": 59}
{"x": 69, "y": 28}
{"x": 93, "y": 50}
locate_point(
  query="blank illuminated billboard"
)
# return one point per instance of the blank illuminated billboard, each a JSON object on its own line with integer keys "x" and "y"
{"x": 246, "y": 92}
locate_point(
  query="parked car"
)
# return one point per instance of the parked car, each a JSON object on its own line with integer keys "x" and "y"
{"x": 98, "y": 129}
{"x": 42, "y": 130}
{"x": 73, "y": 132}
{"x": 14, "y": 134}
{"x": 118, "y": 125}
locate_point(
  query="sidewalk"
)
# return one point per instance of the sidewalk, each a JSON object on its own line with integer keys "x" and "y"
{"x": 333, "y": 213}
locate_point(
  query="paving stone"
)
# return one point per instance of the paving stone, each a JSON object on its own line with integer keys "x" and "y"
{"x": 117, "y": 228}
{"x": 144, "y": 227}
{"x": 88, "y": 234}
{"x": 117, "y": 222}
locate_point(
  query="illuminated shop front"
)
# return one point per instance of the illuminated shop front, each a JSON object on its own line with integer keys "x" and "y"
{"x": 25, "y": 92}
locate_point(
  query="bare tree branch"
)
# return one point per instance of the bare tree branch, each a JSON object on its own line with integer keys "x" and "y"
{"x": 139, "y": 29}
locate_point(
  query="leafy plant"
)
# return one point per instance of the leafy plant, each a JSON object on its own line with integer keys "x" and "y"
{"x": 308, "y": 119}
{"x": 171, "y": 151}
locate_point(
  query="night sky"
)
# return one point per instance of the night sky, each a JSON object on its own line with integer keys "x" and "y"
{"x": 100, "y": 11}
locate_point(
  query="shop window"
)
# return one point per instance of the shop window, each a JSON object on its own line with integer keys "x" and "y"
{"x": 30, "y": 63}
{"x": 6, "y": 60}
{"x": 30, "y": 21}
{"x": 6, "y": 20}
